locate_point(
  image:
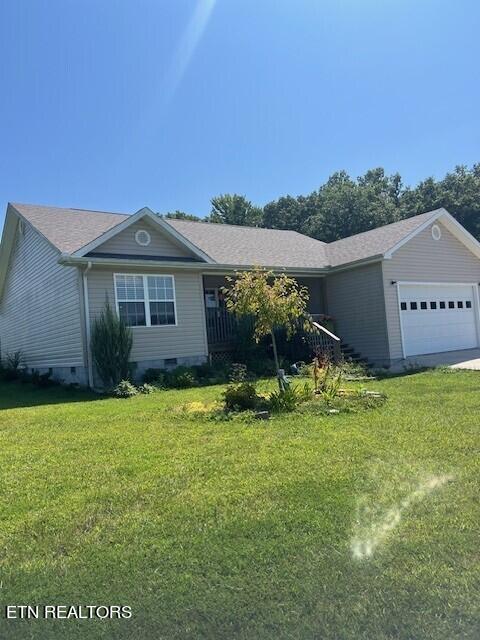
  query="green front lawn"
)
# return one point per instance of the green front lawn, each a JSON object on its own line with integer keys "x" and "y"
{"x": 350, "y": 526}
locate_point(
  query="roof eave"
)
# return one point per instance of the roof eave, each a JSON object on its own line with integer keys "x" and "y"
{"x": 12, "y": 218}
{"x": 6, "y": 245}
{"x": 356, "y": 263}
{"x": 73, "y": 260}
{"x": 459, "y": 231}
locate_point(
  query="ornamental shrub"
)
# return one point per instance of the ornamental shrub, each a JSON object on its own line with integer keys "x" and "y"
{"x": 111, "y": 344}
{"x": 183, "y": 378}
{"x": 240, "y": 396}
{"x": 146, "y": 388}
{"x": 289, "y": 399}
{"x": 125, "y": 389}
{"x": 12, "y": 367}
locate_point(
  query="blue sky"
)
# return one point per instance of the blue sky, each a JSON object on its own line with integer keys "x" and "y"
{"x": 118, "y": 104}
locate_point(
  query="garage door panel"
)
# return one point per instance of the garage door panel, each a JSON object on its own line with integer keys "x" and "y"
{"x": 437, "y": 318}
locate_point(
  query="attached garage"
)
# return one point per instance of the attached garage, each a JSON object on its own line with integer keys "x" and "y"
{"x": 431, "y": 284}
{"x": 437, "y": 317}
{"x": 408, "y": 289}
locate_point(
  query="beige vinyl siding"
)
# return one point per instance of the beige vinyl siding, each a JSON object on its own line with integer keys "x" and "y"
{"x": 186, "y": 339}
{"x": 160, "y": 245}
{"x": 424, "y": 259}
{"x": 356, "y": 302}
{"x": 40, "y": 309}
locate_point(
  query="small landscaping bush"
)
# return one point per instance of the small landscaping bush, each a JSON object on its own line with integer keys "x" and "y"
{"x": 13, "y": 369}
{"x": 13, "y": 366}
{"x": 331, "y": 383}
{"x": 14, "y": 360}
{"x": 184, "y": 377}
{"x": 146, "y": 388}
{"x": 42, "y": 380}
{"x": 289, "y": 399}
{"x": 125, "y": 389}
{"x": 327, "y": 377}
{"x": 352, "y": 369}
{"x": 240, "y": 396}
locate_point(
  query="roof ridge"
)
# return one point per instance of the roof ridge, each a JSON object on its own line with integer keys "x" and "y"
{"x": 236, "y": 226}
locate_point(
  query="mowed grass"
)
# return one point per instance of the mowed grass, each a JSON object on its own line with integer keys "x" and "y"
{"x": 244, "y": 529}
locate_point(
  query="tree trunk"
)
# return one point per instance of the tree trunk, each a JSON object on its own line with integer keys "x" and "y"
{"x": 277, "y": 363}
{"x": 275, "y": 354}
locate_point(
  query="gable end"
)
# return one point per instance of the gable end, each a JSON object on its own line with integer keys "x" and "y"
{"x": 143, "y": 240}
{"x": 448, "y": 221}
{"x": 162, "y": 229}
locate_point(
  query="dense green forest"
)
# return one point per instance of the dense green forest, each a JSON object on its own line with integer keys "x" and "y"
{"x": 343, "y": 205}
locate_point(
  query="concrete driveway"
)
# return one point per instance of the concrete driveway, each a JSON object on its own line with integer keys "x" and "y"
{"x": 467, "y": 359}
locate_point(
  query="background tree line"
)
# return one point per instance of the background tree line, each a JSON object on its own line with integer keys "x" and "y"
{"x": 343, "y": 206}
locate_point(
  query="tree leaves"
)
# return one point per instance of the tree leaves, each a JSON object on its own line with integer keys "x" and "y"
{"x": 235, "y": 209}
{"x": 343, "y": 206}
{"x": 272, "y": 301}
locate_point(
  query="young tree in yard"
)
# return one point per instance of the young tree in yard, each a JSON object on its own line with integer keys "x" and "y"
{"x": 273, "y": 302}
{"x": 111, "y": 344}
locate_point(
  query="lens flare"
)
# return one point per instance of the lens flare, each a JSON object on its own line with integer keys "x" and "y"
{"x": 187, "y": 45}
{"x": 370, "y": 533}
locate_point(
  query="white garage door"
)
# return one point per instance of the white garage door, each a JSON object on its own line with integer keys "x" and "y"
{"x": 437, "y": 318}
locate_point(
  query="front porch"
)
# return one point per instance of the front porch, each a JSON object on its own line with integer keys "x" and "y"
{"x": 223, "y": 327}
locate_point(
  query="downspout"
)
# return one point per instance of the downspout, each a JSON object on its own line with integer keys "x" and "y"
{"x": 87, "y": 323}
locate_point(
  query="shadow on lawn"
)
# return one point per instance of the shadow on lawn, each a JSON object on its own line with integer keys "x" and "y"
{"x": 15, "y": 395}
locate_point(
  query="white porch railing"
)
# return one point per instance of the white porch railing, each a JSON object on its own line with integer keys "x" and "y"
{"x": 324, "y": 343}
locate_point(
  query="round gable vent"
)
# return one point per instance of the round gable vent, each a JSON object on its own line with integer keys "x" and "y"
{"x": 142, "y": 238}
{"x": 436, "y": 232}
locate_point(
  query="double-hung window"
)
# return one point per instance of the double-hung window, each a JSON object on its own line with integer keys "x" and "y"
{"x": 145, "y": 300}
{"x": 161, "y": 297}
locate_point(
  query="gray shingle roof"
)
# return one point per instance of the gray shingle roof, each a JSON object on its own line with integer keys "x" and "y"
{"x": 231, "y": 244}
{"x": 375, "y": 242}
{"x": 72, "y": 229}
{"x": 69, "y": 229}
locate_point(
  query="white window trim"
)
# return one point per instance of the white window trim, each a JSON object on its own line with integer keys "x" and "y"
{"x": 147, "y": 300}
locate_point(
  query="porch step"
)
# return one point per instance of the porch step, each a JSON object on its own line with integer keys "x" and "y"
{"x": 347, "y": 350}
{"x": 349, "y": 353}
